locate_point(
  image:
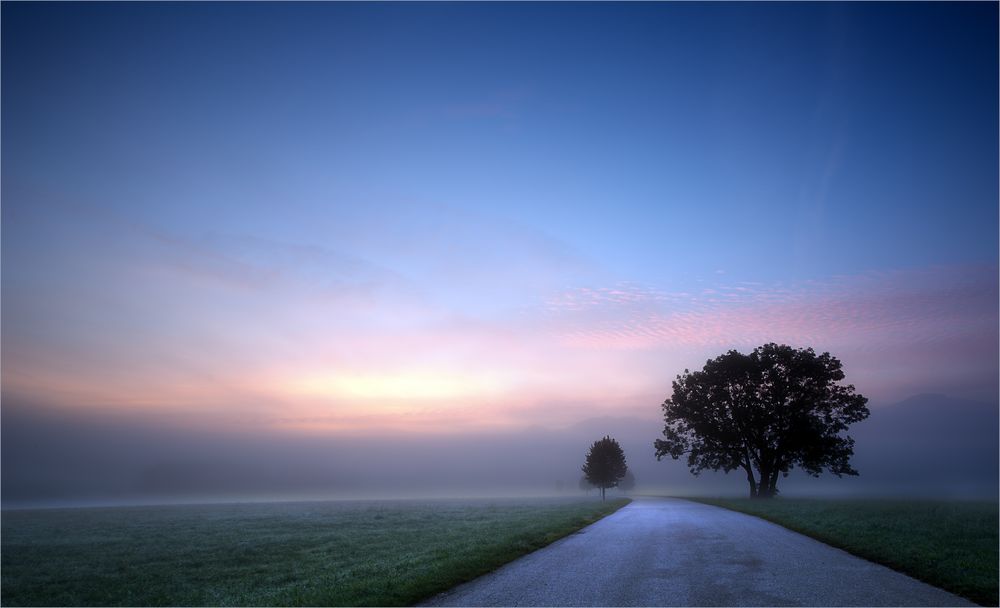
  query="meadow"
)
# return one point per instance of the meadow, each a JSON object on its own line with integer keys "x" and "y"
{"x": 952, "y": 545}
{"x": 383, "y": 553}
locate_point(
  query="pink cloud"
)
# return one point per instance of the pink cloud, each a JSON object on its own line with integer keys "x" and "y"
{"x": 906, "y": 305}
{"x": 944, "y": 319}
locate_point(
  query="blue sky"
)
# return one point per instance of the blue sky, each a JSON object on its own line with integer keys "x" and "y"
{"x": 354, "y": 195}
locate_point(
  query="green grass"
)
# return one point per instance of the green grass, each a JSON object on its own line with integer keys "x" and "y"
{"x": 332, "y": 553}
{"x": 951, "y": 545}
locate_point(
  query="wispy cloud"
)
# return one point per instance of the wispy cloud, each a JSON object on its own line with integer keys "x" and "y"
{"x": 916, "y": 305}
{"x": 942, "y": 321}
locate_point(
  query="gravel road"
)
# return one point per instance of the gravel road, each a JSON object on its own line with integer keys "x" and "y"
{"x": 673, "y": 552}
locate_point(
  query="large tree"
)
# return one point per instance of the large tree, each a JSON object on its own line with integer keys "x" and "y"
{"x": 605, "y": 464}
{"x": 766, "y": 413}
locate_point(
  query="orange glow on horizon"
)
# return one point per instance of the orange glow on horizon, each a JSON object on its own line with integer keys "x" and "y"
{"x": 408, "y": 385}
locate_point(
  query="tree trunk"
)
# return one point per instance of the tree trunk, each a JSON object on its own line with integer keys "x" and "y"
{"x": 752, "y": 481}
{"x": 764, "y": 489}
{"x": 602, "y": 493}
{"x": 773, "y": 484}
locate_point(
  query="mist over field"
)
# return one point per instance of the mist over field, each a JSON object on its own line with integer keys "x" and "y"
{"x": 928, "y": 446}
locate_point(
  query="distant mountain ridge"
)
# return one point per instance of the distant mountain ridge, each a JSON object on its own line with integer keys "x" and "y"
{"x": 931, "y": 439}
{"x": 933, "y": 417}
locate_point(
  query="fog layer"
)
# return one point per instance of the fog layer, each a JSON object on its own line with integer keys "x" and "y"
{"x": 929, "y": 445}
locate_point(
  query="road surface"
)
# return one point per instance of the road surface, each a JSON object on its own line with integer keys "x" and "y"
{"x": 673, "y": 552}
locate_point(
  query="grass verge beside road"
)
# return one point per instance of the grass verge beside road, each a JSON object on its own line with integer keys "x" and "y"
{"x": 951, "y": 545}
{"x": 280, "y": 554}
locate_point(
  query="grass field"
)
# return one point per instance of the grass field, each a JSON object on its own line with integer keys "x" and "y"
{"x": 951, "y": 545}
{"x": 279, "y": 554}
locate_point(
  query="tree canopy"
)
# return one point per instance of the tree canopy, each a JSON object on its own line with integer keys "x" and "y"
{"x": 605, "y": 464}
{"x": 766, "y": 413}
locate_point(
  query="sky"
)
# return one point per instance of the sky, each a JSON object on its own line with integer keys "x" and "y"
{"x": 351, "y": 220}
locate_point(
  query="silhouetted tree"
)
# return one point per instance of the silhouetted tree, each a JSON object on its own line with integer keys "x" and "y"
{"x": 627, "y": 483}
{"x": 605, "y": 464}
{"x": 766, "y": 412}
